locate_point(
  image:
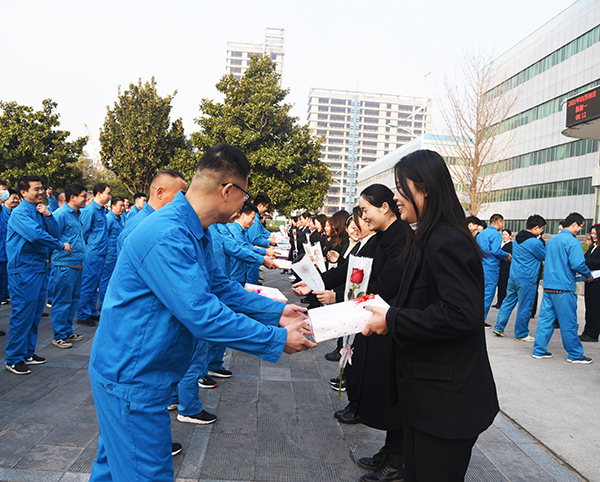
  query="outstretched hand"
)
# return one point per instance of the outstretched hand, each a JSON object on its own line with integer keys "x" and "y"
{"x": 301, "y": 289}
{"x": 296, "y": 341}
{"x": 376, "y": 323}
{"x": 292, "y": 314}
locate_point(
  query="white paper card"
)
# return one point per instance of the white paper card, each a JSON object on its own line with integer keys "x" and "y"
{"x": 283, "y": 263}
{"x": 318, "y": 256}
{"x": 283, "y": 253}
{"x": 340, "y": 319}
{"x": 307, "y": 272}
{"x": 596, "y": 273}
{"x": 272, "y": 293}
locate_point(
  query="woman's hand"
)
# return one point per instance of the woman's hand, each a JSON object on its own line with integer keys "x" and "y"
{"x": 301, "y": 289}
{"x": 333, "y": 256}
{"x": 376, "y": 323}
{"x": 326, "y": 297}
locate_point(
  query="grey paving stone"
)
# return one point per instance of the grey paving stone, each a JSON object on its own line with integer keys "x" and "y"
{"x": 16, "y": 442}
{"x": 477, "y": 457}
{"x": 493, "y": 435}
{"x": 75, "y": 477}
{"x": 305, "y": 369}
{"x": 279, "y": 435}
{"x": 49, "y": 457}
{"x": 240, "y": 390}
{"x": 514, "y": 464}
{"x": 193, "y": 457}
{"x": 484, "y": 473}
{"x": 237, "y": 418}
{"x": 244, "y": 364}
{"x": 12, "y": 475}
{"x": 37, "y": 385}
{"x": 312, "y": 393}
{"x": 276, "y": 397}
{"x": 76, "y": 430}
{"x": 557, "y": 470}
{"x": 281, "y": 469}
{"x": 225, "y": 460}
{"x": 8, "y": 380}
{"x": 84, "y": 462}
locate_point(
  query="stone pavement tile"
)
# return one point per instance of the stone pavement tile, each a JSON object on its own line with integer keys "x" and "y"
{"x": 12, "y": 475}
{"x": 513, "y": 463}
{"x": 84, "y": 462}
{"x": 9, "y": 412}
{"x": 194, "y": 453}
{"x": 245, "y": 365}
{"x": 78, "y": 429}
{"x": 485, "y": 473}
{"x": 304, "y": 368}
{"x": 279, "y": 435}
{"x": 237, "y": 419}
{"x": 40, "y": 382}
{"x": 315, "y": 423}
{"x": 281, "y": 369}
{"x": 276, "y": 397}
{"x": 17, "y": 441}
{"x": 240, "y": 390}
{"x": 477, "y": 457}
{"x": 313, "y": 394}
{"x": 75, "y": 477}
{"x": 494, "y": 435}
{"x": 9, "y": 381}
{"x": 329, "y": 460}
{"x": 283, "y": 469}
{"x": 231, "y": 457}
{"x": 557, "y": 470}
{"x": 49, "y": 457}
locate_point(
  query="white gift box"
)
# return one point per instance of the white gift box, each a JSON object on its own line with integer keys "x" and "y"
{"x": 272, "y": 293}
{"x": 340, "y": 319}
{"x": 282, "y": 263}
{"x": 282, "y": 253}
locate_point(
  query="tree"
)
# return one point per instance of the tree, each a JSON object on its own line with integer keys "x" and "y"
{"x": 32, "y": 144}
{"x": 284, "y": 155}
{"x": 138, "y": 138}
{"x": 472, "y": 119}
{"x": 92, "y": 176}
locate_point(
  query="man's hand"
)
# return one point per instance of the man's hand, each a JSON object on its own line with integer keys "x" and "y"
{"x": 509, "y": 259}
{"x": 268, "y": 263}
{"x": 43, "y": 210}
{"x": 68, "y": 247}
{"x": 326, "y": 297}
{"x": 270, "y": 251}
{"x": 296, "y": 341}
{"x": 376, "y": 323}
{"x": 333, "y": 256}
{"x": 272, "y": 242}
{"x": 301, "y": 289}
{"x": 49, "y": 192}
{"x": 292, "y": 314}
{"x": 591, "y": 278}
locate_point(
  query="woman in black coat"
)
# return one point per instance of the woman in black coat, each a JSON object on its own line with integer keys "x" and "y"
{"x": 592, "y": 289}
{"x": 445, "y": 383}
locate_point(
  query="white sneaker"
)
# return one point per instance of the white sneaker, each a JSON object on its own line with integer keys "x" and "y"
{"x": 528, "y": 339}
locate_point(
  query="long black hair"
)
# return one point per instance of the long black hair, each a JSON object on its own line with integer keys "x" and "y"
{"x": 430, "y": 175}
{"x": 377, "y": 194}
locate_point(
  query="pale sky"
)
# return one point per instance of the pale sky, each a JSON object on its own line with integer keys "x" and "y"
{"x": 78, "y": 52}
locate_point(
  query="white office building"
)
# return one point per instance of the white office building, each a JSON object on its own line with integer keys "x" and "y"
{"x": 239, "y": 53}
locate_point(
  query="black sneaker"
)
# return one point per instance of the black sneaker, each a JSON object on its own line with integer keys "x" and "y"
{"x": 220, "y": 373}
{"x": 583, "y": 361}
{"x": 35, "y": 360}
{"x": 6, "y": 301}
{"x": 176, "y": 448}
{"x": 333, "y": 356}
{"x": 545, "y": 355}
{"x": 206, "y": 382}
{"x": 202, "y": 418}
{"x": 2, "y": 333}
{"x": 86, "y": 322}
{"x": 336, "y": 385}
{"x": 18, "y": 368}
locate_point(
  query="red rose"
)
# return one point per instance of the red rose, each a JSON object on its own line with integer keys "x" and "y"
{"x": 357, "y": 276}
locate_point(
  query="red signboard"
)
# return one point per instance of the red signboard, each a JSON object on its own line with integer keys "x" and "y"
{"x": 583, "y": 108}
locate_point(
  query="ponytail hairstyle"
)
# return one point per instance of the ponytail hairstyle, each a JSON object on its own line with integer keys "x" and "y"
{"x": 378, "y": 194}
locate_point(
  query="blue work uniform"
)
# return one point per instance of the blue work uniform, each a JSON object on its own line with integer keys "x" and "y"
{"x": 29, "y": 237}
{"x": 95, "y": 235}
{"x": 243, "y": 258}
{"x": 52, "y": 204}
{"x": 170, "y": 294}
{"x": 4, "y": 217}
{"x": 3, "y": 272}
{"x": 490, "y": 242}
{"x": 133, "y": 223}
{"x": 564, "y": 261}
{"x": 66, "y": 271}
{"x": 258, "y": 235}
{"x": 528, "y": 254}
{"x": 133, "y": 211}
{"x": 114, "y": 229}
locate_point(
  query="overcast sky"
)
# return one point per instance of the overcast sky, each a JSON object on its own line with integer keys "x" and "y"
{"x": 79, "y": 52}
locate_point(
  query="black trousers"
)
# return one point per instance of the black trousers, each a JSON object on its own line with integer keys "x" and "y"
{"x": 433, "y": 459}
{"x": 502, "y": 285}
{"x": 592, "y": 309}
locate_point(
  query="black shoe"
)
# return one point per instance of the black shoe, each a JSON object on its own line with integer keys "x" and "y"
{"x": 487, "y": 325}
{"x": 556, "y": 325}
{"x": 86, "y": 322}
{"x": 588, "y": 338}
{"x": 336, "y": 386}
{"x": 6, "y": 301}
{"x": 220, "y": 373}
{"x": 374, "y": 463}
{"x": 202, "y": 418}
{"x": 176, "y": 448}
{"x": 391, "y": 471}
{"x": 350, "y": 418}
{"x": 333, "y": 356}
{"x": 304, "y": 300}
{"x": 2, "y": 333}
{"x": 45, "y": 314}
{"x": 497, "y": 306}
{"x": 18, "y": 368}
{"x": 342, "y": 412}
{"x": 206, "y": 382}
{"x": 35, "y": 360}
{"x": 95, "y": 317}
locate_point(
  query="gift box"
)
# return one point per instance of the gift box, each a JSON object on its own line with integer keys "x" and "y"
{"x": 282, "y": 263}
{"x": 272, "y": 293}
{"x": 282, "y": 253}
{"x": 340, "y": 319}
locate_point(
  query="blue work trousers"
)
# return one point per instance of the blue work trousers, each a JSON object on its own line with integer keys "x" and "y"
{"x": 109, "y": 267}
{"x": 28, "y": 296}
{"x": 65, "y": 299}
{"x": 187, "y": 388}
{"x": 490, "y": 277}
{"x": 92, "y": 270}
{"x": 561, "y": 306}
{"x": 49, "y": 285}
{"x": 522, "y": 292}
{"x": 135, "y": 439}
{"x": 215, "y": 356}
{"x": 3, "y": 281}
{"x": 252, "y": 274}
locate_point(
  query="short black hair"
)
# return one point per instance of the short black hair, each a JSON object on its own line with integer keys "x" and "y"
{"x": 138, "y": 195}
{"x": 12, "y": 191}
{"x": 473, "y": 220}
{"x": 295, "y": 218}
{"x": 116, "y": 199}
{"x": 25, "y": 182}
{"x": 263, "y": 199}
{"x": 3, "y": 182}
{"x": 535, "y": 221}
{"x": 168, "y": 172}
{"x": 508, "y": 231}
{"x": 100, "y": 187}
{"x": 74, "y": 189}
{"x": 248, "y": 208}
{"x": 224, "y": 160}
{"x": 496, "y": 217}
{"x": 573, "y": 218}
{"x": 305, "y": 215}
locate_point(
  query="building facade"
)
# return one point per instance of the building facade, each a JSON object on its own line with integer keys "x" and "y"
{"x": 239, "y": 53}
{"x": 544, "y": 171}
{"x": 357, "y": 129}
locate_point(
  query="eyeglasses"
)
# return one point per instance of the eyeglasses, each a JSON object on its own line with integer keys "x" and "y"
{"x": 247, "y": 194}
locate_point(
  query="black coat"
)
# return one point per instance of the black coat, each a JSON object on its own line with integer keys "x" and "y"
{"x": 301, "y": 238}
{"x": 369, "y": 375}
{"x": 445, "y": 380}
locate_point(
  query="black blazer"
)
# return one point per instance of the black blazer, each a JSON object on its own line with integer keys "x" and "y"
{"x": 301, "y": 239}
{"x": 592, "y": 260}
{"x": 445, "y": 380}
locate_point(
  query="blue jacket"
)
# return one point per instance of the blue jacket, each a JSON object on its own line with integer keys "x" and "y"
{"x": 29, "y": 237}
{"x": 52, "y": 204}
{"x": 133, "y": 211}
{"x": 3, "y": 227}
{"x": 70, "y": 230}
{"x": 258, "y": 235}
{"x": 242, "y": 255}
{"x": 133, "y": 223}
{"x": 490, "y": 242}
{"x": 528, "y": 255}
{"x": 564, "y": 259}
{"x": 171, "y": 293}
{"x": 218, "y": 248}
{"x": 114, "y": 229}
{"x": 95, "y": 234}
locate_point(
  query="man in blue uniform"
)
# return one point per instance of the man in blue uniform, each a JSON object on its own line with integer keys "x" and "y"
{"x": 565, "y": 264}
{"x": 95, "y": 235}
{"x": 113, "y": 229}
{"x": 31, "y": 232}
{"x": 490, "y": 242}
{"x": 4, "y": 195}
{"x": 67, "y": 267}
{"x": 527, "y": 256}
{"x": 258, "y": 235}
{"x": 139, "y": 200}
{"x": 165, "y": 185}
{"x": 170, "y": 294}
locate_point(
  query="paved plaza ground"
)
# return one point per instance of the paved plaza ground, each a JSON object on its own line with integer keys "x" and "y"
{"x": 275, "y": 421}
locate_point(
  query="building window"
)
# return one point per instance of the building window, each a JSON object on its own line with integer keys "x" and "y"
{"x": 338, "y": 109}
{"x": 236, "y": 54}
{"x": 236, "y": 70}
{"x": 236, "y": 62}
{"x": 572, "y": 187}
{"x": 338, "y": 101}
{"x": 371, "y": 112}
{"x": 323, "y": 101}
{"x": 372, "y": 104}
{"x": 323, "y": 116}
